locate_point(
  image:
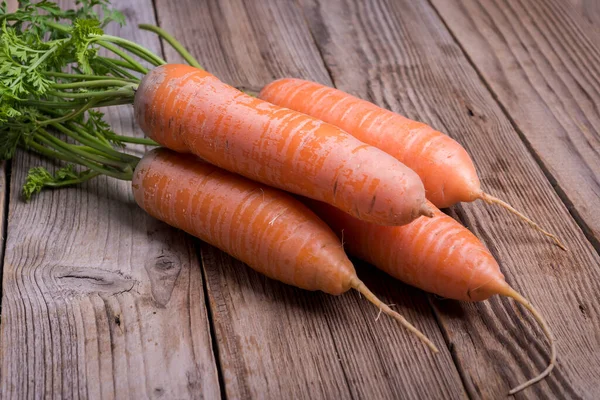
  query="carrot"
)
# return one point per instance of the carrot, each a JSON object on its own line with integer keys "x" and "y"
{"x": 267, "y": 229}
{"x": 190, "y": 111}
{"x": 49, "y": 108}
{"x": 446, "y": 169}
{"x": 437, "y": 255}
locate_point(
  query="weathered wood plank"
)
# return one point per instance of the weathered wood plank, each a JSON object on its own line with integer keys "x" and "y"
{"x": 401, "y": 56}
{"x": 3, "y": 195}
{"x": 100, "y": 300}
{"x": 276, "y": 341}
{"x": 589, "y": 10}
{"x": 542, "y": 64}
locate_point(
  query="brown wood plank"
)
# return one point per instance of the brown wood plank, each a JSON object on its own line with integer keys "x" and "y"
{"x": 402, "y": 57}
{"x": 589, "y": 10}
{"x": 100, "y": 300}
{"x": 276, "y": 341}
{"x": 542, "y": 64}
{"x": 3, "y": 195}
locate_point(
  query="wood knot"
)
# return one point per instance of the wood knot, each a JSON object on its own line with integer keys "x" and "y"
{"x": 163, "y": 272}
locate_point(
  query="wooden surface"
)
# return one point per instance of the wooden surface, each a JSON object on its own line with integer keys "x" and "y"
{"x": 439, "y": 86}
{"x": 542, "y": 64}
{"x": 99, "y": 299}
{"x": 323, "y": 358}
{"x": 102, "y": 301}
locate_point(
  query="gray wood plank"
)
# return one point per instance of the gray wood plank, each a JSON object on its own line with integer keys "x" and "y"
{"x": 542, "y": 64}
{"x": 100, "y": 300}
{"x": 402, "y": 57}
{"x": 276, "y": 341}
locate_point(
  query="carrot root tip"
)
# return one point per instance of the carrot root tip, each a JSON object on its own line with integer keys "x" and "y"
{"x": 494, "y": 200}
{"x": 525, "y": 303}
{"x": 358, "y": 285}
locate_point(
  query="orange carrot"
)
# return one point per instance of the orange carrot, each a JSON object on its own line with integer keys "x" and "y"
{"x": 446, "y": 169}
{"x": 189, "y": 110}
{"x": 267, "y": 229}
{"x": 437, "y": 255}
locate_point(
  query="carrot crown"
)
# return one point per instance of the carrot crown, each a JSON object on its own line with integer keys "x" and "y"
{"x": 53, "y": 76}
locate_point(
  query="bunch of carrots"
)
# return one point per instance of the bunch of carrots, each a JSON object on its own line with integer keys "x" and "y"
{"x": 273, "y": 180}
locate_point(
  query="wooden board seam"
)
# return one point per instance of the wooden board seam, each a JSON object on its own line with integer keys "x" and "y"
{"x": 211, "y": 321}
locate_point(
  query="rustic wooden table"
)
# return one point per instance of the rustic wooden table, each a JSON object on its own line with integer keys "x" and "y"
{"x": 102, "y": 301}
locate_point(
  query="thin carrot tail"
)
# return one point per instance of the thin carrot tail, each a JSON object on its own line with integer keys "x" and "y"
{"x": 525, "y": 303}
{"x": 361, "y": 288}
{"x": 494, "y": 200}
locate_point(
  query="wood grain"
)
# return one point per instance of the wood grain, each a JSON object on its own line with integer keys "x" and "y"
{"x": 11, "y": 6}
{"x": 402, "y": 57}
{"x": 3, "y": 195}
{"x": 275, "y": 341}
{"x": 589, "y": 10}
{"x": 542, "y": 64}
{"x": 100, "y": 300}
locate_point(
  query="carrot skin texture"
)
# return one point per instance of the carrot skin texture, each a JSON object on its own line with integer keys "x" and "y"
{"x": 446, "y": 169}
{"x": 190, "y": 111}
{"x": 269, "y": 230}
{"x": 444, "y": 166}
{"x": 265, "y": 228}
{"x": 436, "y": 254}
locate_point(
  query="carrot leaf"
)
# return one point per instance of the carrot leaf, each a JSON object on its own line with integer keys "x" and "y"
{"x": 39, "y": 178}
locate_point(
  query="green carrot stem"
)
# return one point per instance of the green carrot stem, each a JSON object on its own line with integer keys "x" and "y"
{"x": 80, "y": 128}
{"x": 135, "y": 140}
{"x": 84, "y": 178}
{"x": 96, "y": 151}
{"x": 49, "y": 153}
{"x": 53, "y": 104}
{"x": 134, "y": 64}
{"x": 58, "y": 26}
{"x": 173, "y": 42}
{"x": 33, "y": 66}
{"x": 135, "y": 48}
{"x": 87, "y": 77}
{"x": 71, "y": 115}
{"x": 46, "y": 105}
{"x": 91, "y": 83}
{"x": 118, "y": 67}
{"x": 121, "y": 92}
{"x": 79, "y": 152}
{"x": 89, "y": 164}
{"x": 85, "y": 138}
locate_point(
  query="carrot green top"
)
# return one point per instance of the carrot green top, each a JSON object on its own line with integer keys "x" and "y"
{"x": 52, "y": 77}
